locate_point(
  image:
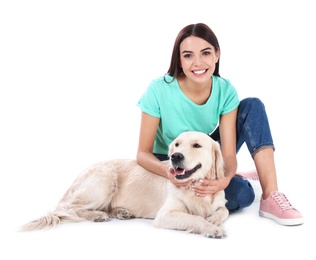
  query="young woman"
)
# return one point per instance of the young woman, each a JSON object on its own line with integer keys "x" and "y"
{"x": 193, "y": 96}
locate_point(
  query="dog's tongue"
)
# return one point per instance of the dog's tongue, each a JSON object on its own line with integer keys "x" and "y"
{"x": 179, "y": 172}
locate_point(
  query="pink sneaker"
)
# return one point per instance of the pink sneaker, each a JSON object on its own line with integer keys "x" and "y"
{"x": 250, "y": 175}
{"x": 278, "y": 208}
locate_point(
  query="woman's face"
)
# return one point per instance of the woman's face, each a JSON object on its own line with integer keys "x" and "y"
{"x": 198, "y": 59}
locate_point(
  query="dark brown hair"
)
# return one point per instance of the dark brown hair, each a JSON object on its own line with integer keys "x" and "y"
{"x": 200, "y": 30}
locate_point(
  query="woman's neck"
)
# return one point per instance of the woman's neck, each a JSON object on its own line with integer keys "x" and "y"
{"x": 198, "y": 93}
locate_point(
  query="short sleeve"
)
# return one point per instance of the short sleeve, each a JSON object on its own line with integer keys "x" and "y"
{"x": 148, "y": 102}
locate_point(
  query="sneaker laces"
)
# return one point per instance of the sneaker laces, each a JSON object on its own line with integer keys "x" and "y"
{"x": 282, "y": 200}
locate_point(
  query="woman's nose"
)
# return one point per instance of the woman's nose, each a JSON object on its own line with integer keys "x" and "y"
{"x": 197, "y": 60}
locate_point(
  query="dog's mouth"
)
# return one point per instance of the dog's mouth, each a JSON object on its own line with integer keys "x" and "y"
{"x": 184, "y": 174}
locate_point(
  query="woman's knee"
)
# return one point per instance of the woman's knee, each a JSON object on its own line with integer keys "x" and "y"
{"x": 239, "y": 194}
{"x": 251, "y": 102}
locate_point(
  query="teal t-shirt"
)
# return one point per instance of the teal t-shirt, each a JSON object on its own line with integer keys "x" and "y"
{"x": 178, "y": 113}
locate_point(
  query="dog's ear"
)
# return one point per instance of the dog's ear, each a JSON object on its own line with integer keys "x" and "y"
{"x": 217, "y": 171}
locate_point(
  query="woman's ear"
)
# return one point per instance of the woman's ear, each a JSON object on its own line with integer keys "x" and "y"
{"x": 217, "y": 55}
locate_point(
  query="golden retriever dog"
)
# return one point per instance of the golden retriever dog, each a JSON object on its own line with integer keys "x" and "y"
{"x": 123, "y": 189}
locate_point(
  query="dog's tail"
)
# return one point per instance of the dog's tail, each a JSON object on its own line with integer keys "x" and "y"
{"x": 51, "y": 220}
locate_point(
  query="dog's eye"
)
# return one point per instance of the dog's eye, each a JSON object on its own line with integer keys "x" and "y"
{"x": 176, "y": 144}
{"x": 196, "y": 145}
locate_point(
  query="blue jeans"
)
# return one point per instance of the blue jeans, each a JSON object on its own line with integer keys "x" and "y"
{"x": 254, "y": 130}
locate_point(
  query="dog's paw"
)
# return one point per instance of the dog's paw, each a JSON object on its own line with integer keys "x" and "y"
{"x": 216, "y": 232}
{"x": 121, "y": 213}
{"x": 215, "y": 220}
{"x": 102, "y": 218}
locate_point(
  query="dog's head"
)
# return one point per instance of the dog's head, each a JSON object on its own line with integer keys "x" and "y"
{"x": 195, "y": 155}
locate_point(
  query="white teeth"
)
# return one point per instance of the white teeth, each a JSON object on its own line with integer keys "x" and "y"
{"x": 178, "y": 172}
{"x": 199, "y": 71}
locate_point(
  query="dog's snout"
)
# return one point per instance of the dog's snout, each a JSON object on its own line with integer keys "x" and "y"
{"x": 177, "y": 157}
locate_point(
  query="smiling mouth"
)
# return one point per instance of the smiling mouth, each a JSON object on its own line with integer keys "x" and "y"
{"x": 199, "y": 72}
{"x": 183, "y": 174}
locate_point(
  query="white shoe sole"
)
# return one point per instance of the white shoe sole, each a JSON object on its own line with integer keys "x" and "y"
{"x": 281, "y": 221}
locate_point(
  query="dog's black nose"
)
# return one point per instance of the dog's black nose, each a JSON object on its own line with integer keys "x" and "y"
{"x": 177, "y": 157}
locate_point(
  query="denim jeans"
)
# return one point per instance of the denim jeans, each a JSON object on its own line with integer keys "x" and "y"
{"x": 254, "y": 130}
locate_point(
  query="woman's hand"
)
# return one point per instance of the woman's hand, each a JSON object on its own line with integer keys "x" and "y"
{"x": 204, "y": 187}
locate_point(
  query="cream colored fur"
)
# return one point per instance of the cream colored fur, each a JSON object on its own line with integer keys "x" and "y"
{"x": 123, "y": 189}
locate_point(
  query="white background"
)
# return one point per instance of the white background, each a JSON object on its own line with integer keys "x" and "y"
{"x": 71, "y": 73}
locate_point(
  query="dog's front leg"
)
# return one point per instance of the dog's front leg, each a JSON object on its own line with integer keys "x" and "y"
{"x": 179, "y": 220}
{"x": 218, "y": 217}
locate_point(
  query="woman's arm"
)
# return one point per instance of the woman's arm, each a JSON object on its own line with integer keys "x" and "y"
{"x": 227, "y": 128}
{"x": 147, "y": 135}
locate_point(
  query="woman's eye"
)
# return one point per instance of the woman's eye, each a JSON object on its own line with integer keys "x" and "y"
{"x": 196, "y": 145}
{"x": 187, "y": 56}
{"x": 206, "y": 53}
